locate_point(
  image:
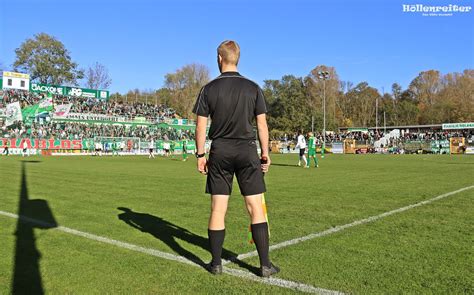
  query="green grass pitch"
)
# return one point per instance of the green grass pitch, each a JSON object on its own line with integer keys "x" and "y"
{"x": 160, "y": 204}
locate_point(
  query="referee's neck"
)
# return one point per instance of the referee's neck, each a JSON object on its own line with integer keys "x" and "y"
{"x": 229, "y": 68}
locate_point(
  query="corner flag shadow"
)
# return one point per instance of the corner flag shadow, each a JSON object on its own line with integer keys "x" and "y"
{"x": 285, "y": 165}
{"x": 168, "y": 233}
{"x": 33, "y": 214}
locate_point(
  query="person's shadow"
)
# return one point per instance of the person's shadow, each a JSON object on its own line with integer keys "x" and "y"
{"x": 33, "y": 214}
{"x": 168, "y": 233}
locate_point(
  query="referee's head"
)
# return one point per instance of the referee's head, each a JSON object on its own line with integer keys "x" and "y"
{"x": 228, "y": 54}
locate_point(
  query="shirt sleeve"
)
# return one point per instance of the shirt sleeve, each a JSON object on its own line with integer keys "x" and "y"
{"x": 260, "y": 105}
{"x": 201, "y": 107}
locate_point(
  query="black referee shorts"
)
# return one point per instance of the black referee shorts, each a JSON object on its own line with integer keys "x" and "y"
{"x": 302, "y": 152}
{"x": 234, "y": 156}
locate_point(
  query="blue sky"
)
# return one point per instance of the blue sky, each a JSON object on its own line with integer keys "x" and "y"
{"x": 140, "y": 41}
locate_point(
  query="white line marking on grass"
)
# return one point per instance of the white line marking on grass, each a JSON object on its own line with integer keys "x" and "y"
{"x": 352, "y": 224}
{"x": 168, "y": 256}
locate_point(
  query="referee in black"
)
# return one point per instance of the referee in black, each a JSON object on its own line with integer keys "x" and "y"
{"x": 233, "y": 102}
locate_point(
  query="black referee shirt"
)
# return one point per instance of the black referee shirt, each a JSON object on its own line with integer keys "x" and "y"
{"x": 232, "y": 101}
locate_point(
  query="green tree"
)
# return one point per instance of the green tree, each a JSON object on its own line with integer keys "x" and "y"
{"x": 288, "y": 110}
{"x": 362, "y": 98}
{"x": 47, "y": 61}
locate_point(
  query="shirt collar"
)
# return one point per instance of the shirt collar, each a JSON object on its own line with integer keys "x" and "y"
{"x": 230, "y": 74}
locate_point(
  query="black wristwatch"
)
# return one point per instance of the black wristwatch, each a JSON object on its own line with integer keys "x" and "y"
{"x": 200, "y": 155}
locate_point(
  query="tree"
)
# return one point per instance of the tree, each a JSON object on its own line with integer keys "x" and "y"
{"x": 362, "y": 98}
{"x": 47, "y": 61}
{"x": 288, "y": 110}
{"x": 97, "y": 77}
{"x": 425, "y": 88}
{"x": 315, "y": 94}
{"x": 184, "y": 86}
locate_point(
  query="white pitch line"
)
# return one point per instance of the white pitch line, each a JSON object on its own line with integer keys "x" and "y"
{"x": 233, "y": 272}
{"x": 352, "y": 224}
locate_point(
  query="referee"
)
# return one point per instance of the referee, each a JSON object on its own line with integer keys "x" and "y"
{"x": 233, "y": 102}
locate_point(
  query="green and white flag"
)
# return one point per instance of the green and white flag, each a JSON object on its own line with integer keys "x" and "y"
{"x": 13, "y": 113}
{"x": 45, "y": 105}
{"x": 29, "y": 113}
{"x": 62, "y": 110}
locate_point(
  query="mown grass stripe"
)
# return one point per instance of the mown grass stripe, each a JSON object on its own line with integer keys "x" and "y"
{"x": 168, "y": 256}
{"x": 352, "y": 224}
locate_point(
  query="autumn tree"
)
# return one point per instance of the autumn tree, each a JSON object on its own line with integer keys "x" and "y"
{"x": 332, "y": 91}
{"x": 184, "y": 86}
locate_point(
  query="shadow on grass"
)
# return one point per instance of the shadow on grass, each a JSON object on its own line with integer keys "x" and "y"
{"x": 168, "y": 233}
{"x": 285, "y": 165}
{"x": 27, "y": 274}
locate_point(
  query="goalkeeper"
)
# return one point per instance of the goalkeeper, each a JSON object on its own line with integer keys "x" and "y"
{"x": 312, "y": 150}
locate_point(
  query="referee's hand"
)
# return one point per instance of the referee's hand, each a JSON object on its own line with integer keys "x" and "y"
{"x": 202, "y": 165}
{"x": 265, "y": 163}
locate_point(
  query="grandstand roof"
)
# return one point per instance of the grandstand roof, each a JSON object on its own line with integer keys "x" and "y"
{"x": 430, "y": 126}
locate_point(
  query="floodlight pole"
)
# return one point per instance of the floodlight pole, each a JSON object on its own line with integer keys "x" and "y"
{"x": 324, "y": 118}
{"x": 376, "y": 115}
{"x": 324, "y": 76}
{"x": 384, "y": 124}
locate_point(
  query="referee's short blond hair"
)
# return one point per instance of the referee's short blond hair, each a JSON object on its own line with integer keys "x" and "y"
{"x": 229, "y": 51}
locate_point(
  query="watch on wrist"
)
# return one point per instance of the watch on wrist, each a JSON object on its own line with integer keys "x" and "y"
{"x": 200, "y": 155}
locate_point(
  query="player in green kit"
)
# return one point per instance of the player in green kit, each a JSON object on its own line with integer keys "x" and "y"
{"x": 172, "y": 146}
{"x": 90, "y": 146}
{"x": 185, "y": 149}
{"x": 312, "y": 150}
{"x": 114, "y": 148}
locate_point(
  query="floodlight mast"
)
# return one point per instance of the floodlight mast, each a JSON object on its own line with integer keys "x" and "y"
{"x": 324, "y": 75}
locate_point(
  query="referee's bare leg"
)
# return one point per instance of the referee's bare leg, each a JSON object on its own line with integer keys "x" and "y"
{"x": 216, "y": 230}
{"x": 260, "y": 235}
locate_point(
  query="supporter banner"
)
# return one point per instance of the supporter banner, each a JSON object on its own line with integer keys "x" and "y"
{"x": 469, "y": 150}
{"x": 182, "y": 122}
{"x": 440, "y": 146}
{"x": 45, "y": 105}
{"x": 62, "y": 110}
{"x": 52, "y": 144}
{"x": 13, "y": 113}
{"x": 450, "y": 126}
{"x": 337, "y": 148}
{"x": 95, "y": 117}
{"x": 72, "y": 91}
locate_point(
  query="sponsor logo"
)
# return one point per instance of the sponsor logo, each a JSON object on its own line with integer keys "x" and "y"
{"x": 436, "y": 10}
{"x": 46, "y": 88}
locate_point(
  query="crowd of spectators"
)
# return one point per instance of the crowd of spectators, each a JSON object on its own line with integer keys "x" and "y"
{"x": 369, "y": 137}
{"x": 127, "y": 110}
{"x": 72, "y": 130}
{"x": 158, "y": 113}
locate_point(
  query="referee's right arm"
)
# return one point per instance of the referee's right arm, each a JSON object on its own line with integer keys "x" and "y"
{"x": 201, "y": 109}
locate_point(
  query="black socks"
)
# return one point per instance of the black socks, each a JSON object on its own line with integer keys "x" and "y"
{"x": 260, "y": 238}
{"x": 216, "y": 240}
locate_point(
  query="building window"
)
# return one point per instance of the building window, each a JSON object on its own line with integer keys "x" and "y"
{"x": 9, "y": 82}
{"x": 22, "y": 84}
